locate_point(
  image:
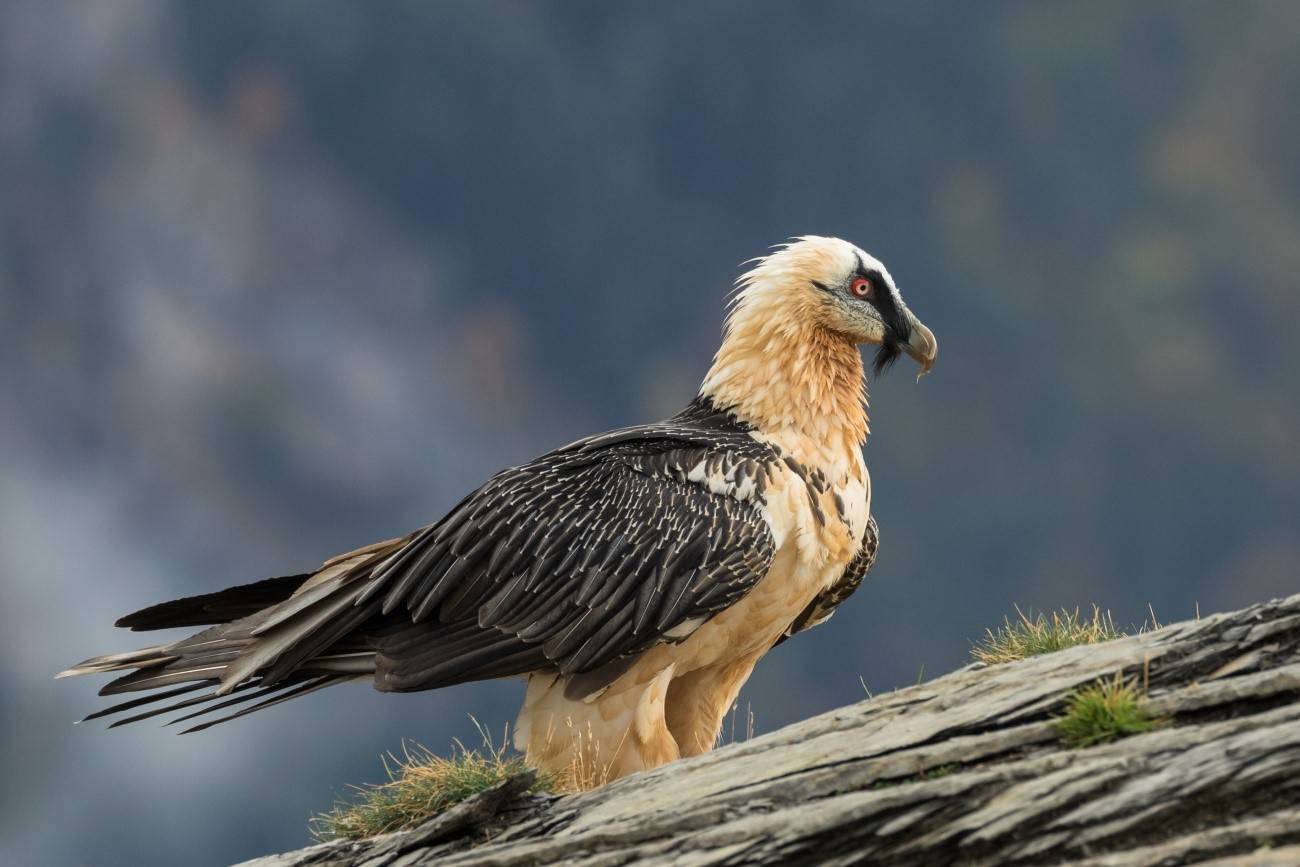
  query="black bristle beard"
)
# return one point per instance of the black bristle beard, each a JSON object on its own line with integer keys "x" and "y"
{"x": 886, "y": 355}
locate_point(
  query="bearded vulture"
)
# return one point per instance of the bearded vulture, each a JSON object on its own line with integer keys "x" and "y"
{"x": 634, "y": 577}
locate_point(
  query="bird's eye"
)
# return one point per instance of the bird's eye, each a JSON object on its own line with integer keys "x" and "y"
{"x": 861, "y": 287}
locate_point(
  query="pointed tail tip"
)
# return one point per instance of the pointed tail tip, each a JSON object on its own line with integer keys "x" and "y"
{"x": 89, "y": 666}
{"x": 94, "y": 665}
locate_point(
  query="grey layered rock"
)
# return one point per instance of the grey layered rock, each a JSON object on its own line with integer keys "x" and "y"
{"x": 966, "y": 769}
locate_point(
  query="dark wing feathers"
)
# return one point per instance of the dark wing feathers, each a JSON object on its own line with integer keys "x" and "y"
{"x": 575, "y": 563}
{"x": 609, "y": 554}
{"x": 586, "y": 555}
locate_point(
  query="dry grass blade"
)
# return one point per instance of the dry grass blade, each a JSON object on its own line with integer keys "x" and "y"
{"x": 747, "y": 734}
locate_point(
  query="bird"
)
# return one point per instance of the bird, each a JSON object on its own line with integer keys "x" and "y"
{"x": 634, "y": 578}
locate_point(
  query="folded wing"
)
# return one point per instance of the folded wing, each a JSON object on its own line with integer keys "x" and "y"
{"x": 574, "y": 563}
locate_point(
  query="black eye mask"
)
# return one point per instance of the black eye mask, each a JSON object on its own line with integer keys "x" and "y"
{"x": 897, "y": 329}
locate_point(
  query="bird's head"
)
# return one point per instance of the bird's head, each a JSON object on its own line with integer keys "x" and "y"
{"x": 830, "y": 284}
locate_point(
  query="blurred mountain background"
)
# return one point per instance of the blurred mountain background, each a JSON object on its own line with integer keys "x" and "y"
{"x": 278, "y": 279}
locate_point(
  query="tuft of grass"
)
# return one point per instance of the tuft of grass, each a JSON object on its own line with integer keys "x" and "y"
{"x": 1042, "y": 633}
{"x": 940, "y": 771}
{"x": 935, "y": 773}
{"x": 1103, "y": 712}
{"x": 420, "y": 785}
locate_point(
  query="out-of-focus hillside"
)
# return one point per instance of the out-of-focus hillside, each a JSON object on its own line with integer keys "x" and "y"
{"x": 277, "y": 279}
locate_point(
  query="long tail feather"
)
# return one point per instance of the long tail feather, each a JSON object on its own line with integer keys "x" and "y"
{"x": 272, "y": 640}
{"x": 260, "y": 692}
{"x": 180, "y": 705}
{"x": 139, "y": 702}
{"x": 309, "y": 686}
{"x": 145, "y": 657}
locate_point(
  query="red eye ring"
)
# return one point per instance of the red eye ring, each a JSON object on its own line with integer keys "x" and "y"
{"x": 861, "y": 287}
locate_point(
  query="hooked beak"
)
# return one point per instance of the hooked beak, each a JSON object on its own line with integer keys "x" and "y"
{"x": 922, "y": 347}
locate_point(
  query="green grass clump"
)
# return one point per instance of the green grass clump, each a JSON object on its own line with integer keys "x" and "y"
{"x": 1103, "y": 712}
{"x": 940, "y": 771}
{"x": 420, "y": 785}
{"x": 935, "y": 773}
{"x": 1033, "y": 636}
